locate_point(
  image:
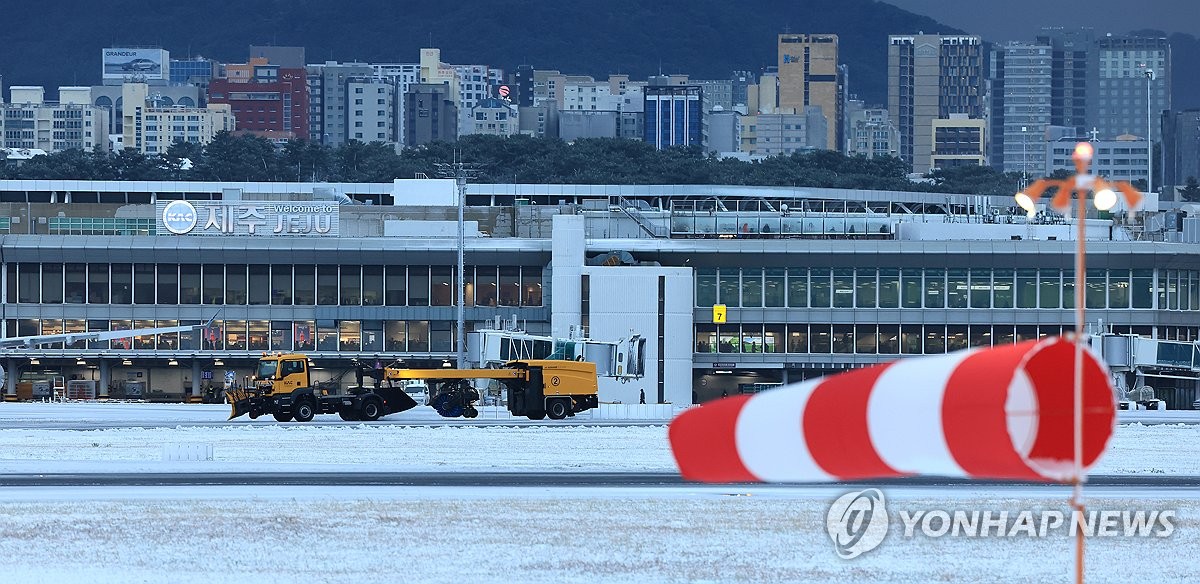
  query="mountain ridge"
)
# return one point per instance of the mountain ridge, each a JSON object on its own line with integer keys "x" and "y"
{"x": 707, "y": 39}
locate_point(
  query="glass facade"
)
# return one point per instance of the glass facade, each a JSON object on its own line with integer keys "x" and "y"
{"x": 884, "y": 339}
{"x": 395, "y": 336}
{"x": 976, "y": 288}
{"x": 286, "y": 285}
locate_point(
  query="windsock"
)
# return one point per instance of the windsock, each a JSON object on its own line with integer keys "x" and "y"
{"x": 995, "y": 413}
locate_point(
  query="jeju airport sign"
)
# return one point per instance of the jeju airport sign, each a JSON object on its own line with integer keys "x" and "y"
{"x": 249, "y": 218}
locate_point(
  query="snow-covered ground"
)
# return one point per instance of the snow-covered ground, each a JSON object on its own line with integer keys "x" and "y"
{"x": 91, "y": 415}
{"x": 684, "y": 534}
{"x": 260, "y": 534}
{"x": 1158, "y": 449}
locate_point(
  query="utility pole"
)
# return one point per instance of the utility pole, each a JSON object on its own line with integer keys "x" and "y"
{"x": 460, "y": 173}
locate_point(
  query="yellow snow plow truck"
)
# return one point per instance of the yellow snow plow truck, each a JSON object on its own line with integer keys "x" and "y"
{"x": 535, "y": 388}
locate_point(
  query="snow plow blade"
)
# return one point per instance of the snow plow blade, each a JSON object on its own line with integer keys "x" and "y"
{"x": 239, "y": 402}
{"x": 402, "y": 402}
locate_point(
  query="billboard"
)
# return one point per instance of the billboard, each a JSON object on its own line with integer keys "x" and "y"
{"x": 135, "y": 63}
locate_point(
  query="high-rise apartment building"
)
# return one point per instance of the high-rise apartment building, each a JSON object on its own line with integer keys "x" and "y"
{"x": 931, "y": 77}
{"x": 431, "y": 114}
{"x": 1181, "y": 150}
{"x": 1069, "y": 50}
{"x": 809, "y": 77}
{"x": 371, "y": 114}
{"x": 151, "y": 129}
{"x": 401, "y": 76}
{"x": 1020, "y": 102}
{"x": 29, "y": 122}
{"x": 328, "y": 95}
{"x": 1126, "y": 68}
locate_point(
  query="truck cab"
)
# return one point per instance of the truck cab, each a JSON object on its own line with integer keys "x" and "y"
{"x": 282, "y": 374}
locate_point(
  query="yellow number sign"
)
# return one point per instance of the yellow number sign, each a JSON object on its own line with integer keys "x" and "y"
{"x": 718, "y": 314}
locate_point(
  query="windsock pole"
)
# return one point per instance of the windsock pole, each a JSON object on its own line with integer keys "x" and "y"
{"x": 1080, "y": 266}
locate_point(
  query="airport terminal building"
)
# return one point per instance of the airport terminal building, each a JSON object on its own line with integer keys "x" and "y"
{"x": 812, "y": 281}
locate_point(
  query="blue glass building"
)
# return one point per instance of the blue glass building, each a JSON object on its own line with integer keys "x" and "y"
{"x": 673, "y": 115}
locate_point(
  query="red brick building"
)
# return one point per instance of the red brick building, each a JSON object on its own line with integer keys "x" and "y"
{"x": 267, "y": 100}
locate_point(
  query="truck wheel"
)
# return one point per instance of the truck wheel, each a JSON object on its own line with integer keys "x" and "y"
{"x": 282, "y": 417}
{"x": 557, "y": 409}
{"x": 371, "y": 410}
{"x": 303, "y": 410}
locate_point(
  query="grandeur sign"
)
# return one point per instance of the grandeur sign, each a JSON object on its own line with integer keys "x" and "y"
{"x": 250, "y": 218}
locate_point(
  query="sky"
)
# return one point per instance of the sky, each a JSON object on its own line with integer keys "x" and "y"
{"x": 1004, "y": 20}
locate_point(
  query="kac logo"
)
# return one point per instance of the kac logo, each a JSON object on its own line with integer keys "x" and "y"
{"x": 179, "y": 217}
{"x": 857, "y": 522}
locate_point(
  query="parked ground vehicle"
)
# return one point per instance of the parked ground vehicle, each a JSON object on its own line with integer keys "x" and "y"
{"x": 537, "y": 388}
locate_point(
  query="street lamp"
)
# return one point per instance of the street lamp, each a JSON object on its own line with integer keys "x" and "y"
{"x": 1149, "y": 141}
{"x": 460, "y": 173}
{"x": 1080, "y": 185}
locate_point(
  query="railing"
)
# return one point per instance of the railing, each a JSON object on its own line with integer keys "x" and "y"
{"x": 631, "y": 210}
{"x": 769, "y": 225}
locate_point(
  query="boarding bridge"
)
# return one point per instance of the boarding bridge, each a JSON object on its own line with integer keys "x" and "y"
{"x": 491, "y": 348}
{"x": 1136, "y": 362}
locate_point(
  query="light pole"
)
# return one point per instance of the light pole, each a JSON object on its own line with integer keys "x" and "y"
{"x": 1024, "y": 157}
{"x": 461, "y": 181}
{"x": 460, "y": 173}
{"x": 1149, "y": 140}
{"x": 1081, "y": 184}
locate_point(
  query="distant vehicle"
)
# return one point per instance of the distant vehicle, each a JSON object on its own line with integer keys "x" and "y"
{"x": 140, "y": 65}
{"x": 417, "y": 390}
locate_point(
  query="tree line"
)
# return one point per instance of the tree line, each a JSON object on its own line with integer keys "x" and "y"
{"x": 515, "y": 159}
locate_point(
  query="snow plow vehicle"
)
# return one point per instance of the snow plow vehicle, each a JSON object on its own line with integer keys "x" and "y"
{"x": 282, "y": 388}
{"x": 536, "y": 389}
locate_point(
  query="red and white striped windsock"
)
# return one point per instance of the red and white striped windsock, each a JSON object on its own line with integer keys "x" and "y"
{"x": 995, "y": 413}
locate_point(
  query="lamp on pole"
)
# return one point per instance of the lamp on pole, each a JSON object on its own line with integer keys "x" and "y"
{"x": 1082, "y": 183}
{"x": 1149, "y": 141}
{"x": 460, "y": 173}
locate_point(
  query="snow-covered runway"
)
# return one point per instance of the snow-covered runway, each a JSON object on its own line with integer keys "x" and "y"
{"x": 257, "y": 533}
{"x": 688, "y": 534}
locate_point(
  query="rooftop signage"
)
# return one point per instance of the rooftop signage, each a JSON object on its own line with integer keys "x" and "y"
{"x": 249, "y": 218}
